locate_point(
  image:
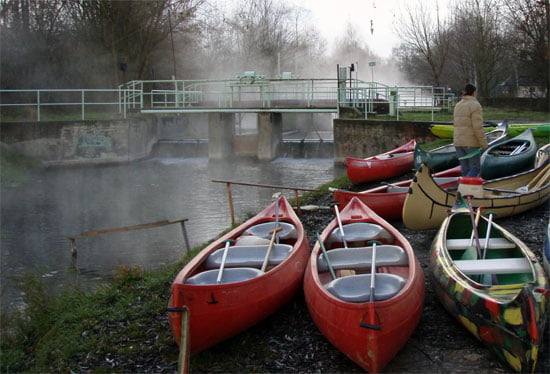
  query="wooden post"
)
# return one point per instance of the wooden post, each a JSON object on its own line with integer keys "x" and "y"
{"x": 297, "y": 198}
{"x": 185, "y": 237}
{"x": 230, "y": 198}
{"x": 73, "y": 247}
{"x": 183, "y": 358}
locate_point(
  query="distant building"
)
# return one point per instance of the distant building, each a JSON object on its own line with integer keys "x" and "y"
{"x": 522, "y": 86}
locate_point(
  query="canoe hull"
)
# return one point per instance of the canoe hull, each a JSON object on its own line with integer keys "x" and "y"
{"x": 509, "y": 318}
{"x": 514, "y": 129}
{"x": 426, "y": 204}
{"x": 380, "y": 167}
{"x": 220, "y": 311}
{"x": 341, "y": 322}
{"x": 384, "y": 202}
{"x": 498, "y": 162}
{"x": 445, "y": 157}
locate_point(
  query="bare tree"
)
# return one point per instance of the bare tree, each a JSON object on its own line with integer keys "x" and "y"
{"x": 131, "y": 31}
{"x": 270, "y": 35}
{"x": 530, "y": 20}
{"x": 480, "y": 51}
{"x": 31, "y": 32}
{"x": 425, "y": 36}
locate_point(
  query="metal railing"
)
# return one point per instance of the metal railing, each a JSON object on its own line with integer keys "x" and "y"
{"x": 55, "y": 104}
{"x": 244, "y": 94}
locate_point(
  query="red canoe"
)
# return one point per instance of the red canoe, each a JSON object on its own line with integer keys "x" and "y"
{"x": 387, "y": 200}
{"x": 369, "y": 332}
{"x": 221, "y": 308}
{"x": 382, "y": 166}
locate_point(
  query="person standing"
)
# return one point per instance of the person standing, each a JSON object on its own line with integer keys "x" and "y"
{"x": 468, "y": 135}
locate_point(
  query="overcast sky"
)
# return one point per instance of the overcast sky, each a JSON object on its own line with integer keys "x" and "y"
{"x": 331, "y": 18}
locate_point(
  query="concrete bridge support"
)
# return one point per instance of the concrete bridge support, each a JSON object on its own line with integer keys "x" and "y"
{"x": 220, "y": 135}
{"x": 270, "y": 134}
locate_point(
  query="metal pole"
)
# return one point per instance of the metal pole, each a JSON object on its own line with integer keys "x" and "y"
{"x": 38, "y": 105}
{"x": 185, "y": 237}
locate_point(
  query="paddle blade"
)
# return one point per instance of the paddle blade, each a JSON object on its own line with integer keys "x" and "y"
{"x": 471, "y": 154}
{"x": 460, "y": 205}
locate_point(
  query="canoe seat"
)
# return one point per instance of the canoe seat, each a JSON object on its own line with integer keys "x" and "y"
{"x": 360, "y": 231}
{"x": 356, "y": 288}
{"x": 494, "y": 243}
{"x": 494, "y": 266}
{"x": 392, "y": 155}
{"x": 360, "y": 257}
{"x": 397, "y": 189}
{"x": 248, "y": 256}
{"x": 230, "y": 275}
{"x": 263, "y": 230}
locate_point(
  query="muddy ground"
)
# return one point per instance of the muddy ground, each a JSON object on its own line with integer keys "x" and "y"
{"x": 289, "y": 341}
{"x": 439, "y": 344}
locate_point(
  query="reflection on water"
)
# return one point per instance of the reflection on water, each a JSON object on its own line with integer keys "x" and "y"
{"x": 38, "y": 215}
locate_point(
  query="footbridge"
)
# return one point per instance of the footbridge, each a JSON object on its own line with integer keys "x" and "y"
{"x": 253, "y": 93}
{"x": 224, "y": 101}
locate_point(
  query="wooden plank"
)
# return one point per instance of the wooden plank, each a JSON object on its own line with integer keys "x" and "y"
{"x": 494, "y": 266}
{"x": 126, "y": 228}
{"x": 266, "y": 185}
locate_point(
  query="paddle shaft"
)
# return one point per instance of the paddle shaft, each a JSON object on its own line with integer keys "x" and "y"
{"x": 325, "y": 255}
{"x": 224, "y": 258}
{"x": 478, "y": 216}
{"x": 474, "y": 225}
{"x": 494, "y": 279}
{"x": 373, "y": 272}
{"x": 270, "y": 247}
{"x": 340, "y": 225}
{"x": 488, "y": 234}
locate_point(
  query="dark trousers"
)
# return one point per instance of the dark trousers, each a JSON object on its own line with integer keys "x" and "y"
{"x": 471, "y": 166}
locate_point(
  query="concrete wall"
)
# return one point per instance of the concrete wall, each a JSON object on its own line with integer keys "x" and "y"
{"x": 364, "y": 138}
{"x": 82, "y": 142}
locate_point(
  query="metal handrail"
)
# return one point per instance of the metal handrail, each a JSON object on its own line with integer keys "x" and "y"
{"x": 208, "y": 95}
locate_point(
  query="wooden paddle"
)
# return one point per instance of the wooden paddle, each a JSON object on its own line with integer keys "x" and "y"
{"x": 488, "y": 234}
{"x": 270, "y": 247}
{"x": 224, "y": 258}
{"x": 475, "y": 221}
{"x": 475, "y": 152}
{"x": 494, "y": 279}
{"x": 373, "y": 270}
{"x": 325, "y": 255}
{"x": 340, "y": 225}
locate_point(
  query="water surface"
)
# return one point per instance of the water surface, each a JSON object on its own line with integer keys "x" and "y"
{"x": 38, "y": 215}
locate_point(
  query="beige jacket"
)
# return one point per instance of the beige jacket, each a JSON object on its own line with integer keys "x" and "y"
{"x": 468, "y": 124}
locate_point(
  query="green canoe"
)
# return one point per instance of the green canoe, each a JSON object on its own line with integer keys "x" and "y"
{"x": 444, "y": 157}
{"x": 539, "y": 129}
{"x": 509, "y": 157}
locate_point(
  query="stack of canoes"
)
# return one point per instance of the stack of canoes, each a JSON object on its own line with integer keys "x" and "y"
{"x": 386, "y": 165}
{"x": 539, "y": 129}
{"x": 427, "y": 204}
{"x": 493, "y": 284}
{"x": 387, "y": 200}
{"x": 364, "y": 286}
{"x": 444, "y": 157}
{"x": 239, "y": 279}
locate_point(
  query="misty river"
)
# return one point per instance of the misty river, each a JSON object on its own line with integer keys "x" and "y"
{"x": 38, "y": 214}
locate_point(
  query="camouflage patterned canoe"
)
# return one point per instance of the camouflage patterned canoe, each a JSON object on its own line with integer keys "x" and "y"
{"x": 502, "y": 298}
